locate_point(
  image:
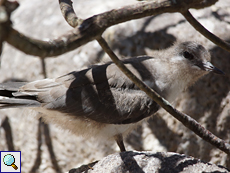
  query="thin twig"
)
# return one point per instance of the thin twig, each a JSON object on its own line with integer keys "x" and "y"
{"x": 69, "y": 14}
{"x": 1, "y": 48}
{"x": 8, "y": 134}
{"x": 38, "y": 159}
{"x": 185, "y": 119}
{"x": 2, "y": 2}
{"x": 204, "y": 4}
{"x": 189, "y": 17}
{"x": 6, "y": 8}
{"x": 43, "y": 64}
{"x": 49, "y": 145}
{"x": 46, "y": 131}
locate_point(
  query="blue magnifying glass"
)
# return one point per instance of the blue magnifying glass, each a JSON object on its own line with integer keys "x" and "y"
{"x": 9, "y": 160}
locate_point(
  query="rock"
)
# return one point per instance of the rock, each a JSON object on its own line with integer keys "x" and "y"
{"x": 141, "y": 162}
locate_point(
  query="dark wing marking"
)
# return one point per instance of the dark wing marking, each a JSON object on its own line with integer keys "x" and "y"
{"x": 105, "y": 94}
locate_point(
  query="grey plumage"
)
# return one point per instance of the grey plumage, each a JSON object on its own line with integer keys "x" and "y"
{"x": 104, "y": 97}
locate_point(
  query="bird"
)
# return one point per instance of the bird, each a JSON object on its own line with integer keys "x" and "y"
{"x": 100, "y": 101}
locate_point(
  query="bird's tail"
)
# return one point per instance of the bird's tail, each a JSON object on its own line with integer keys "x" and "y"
{"x": 10, "y": 99}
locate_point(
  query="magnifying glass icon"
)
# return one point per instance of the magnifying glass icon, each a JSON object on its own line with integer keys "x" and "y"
{"x": 9, "y": 160}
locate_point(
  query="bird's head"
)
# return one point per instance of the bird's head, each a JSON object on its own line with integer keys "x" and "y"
{"x": 195, "y": 57}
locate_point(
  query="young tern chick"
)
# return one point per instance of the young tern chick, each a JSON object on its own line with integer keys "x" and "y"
{"x": 101, "y": 101}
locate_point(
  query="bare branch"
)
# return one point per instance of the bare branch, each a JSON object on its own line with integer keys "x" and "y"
{"x": 95, "y": 26}
{"x": 8, "y": 133}
{"x": 48, "y": 141}
{"x": 204, "y": 3}
{"x": 51, "y": 48}
{"x": 189, "y": 17}
{"x": 2, "y": 2}
{"x": 6, "y": 9}
{"x": 185, "y": 119}
{"x": 37, "y": 161}
{"x": 69, "y": 14}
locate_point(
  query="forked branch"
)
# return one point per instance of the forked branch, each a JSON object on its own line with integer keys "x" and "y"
{"x": 89, "y": 29}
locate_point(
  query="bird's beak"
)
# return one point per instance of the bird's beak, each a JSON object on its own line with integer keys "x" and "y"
{"x": 209, "y": 67}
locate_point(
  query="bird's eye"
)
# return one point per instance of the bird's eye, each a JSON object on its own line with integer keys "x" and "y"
{"x": 188, "y": 55}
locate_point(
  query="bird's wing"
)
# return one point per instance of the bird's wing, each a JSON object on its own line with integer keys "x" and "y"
{"x": 101, "y": 93}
